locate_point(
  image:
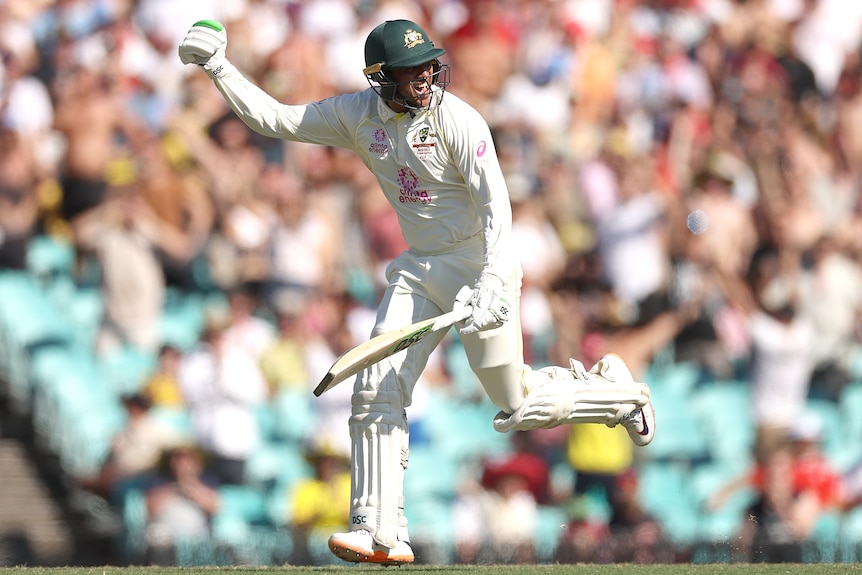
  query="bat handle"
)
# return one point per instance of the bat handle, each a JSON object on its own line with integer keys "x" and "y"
{"x": 463, "y": 296}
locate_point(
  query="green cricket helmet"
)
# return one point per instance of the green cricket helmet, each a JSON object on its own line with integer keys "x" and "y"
{"x": 400, "y": 44}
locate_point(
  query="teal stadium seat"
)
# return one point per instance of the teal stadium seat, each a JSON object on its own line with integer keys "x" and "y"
{"x": 675, "y": 379}
{"x": 430, "y": 522}
{"x": 87, "y": 442}
{"x": 850, "y": 408}
{"x": 720, "y": 525}
{"x": 28, "y": 322}
{"x": 465, "y": 384}
{"x": 665, "y": 493}
{"x": 724, "y": 410}
{"x": 242, "y": 527}
{"x": 176, "y": 418}
{"x": 181, "y": 326}
{"x": 49, "y": 257}
{"x": 243, "y": 503}
{"x": 75, "y": 411}
{"x": 681, "y": 432}
{"x": 461, "y": 428}
{"x": 277, "y": 463}
{"x": 293, "y": 414}
{"x": 856, "y": 365}
{"x": 836, "y": 441}
{"x": 551, "y": 524}
{"x": 47, "y": 367}
{"x": 127, "y": 369}
{"x": 431, "y": 474}
{"x": 851, "y": 527}
{"x": 82, "y": 306}
{"x": 132, "y": 540}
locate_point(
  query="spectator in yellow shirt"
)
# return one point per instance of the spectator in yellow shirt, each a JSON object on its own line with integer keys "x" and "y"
{"x": 319, "y": 503}
{"x": 283, "y": 361}
{"x": 162, "y": 388}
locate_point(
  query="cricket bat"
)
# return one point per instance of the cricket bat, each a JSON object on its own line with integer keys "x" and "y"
{"x": 389, "y": 343}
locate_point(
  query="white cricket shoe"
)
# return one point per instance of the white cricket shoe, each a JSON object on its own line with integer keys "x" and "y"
{"x": 640, "y": 423}
{"x": 360, "y": 547}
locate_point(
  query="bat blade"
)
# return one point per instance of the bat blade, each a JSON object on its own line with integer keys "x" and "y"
{"x": 388, "y": 343}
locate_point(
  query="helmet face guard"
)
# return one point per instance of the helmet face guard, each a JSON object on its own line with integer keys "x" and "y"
{"x": 387, "y": 89}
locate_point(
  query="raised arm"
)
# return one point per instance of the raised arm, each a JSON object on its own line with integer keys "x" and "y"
{"x": 205, "y": 45}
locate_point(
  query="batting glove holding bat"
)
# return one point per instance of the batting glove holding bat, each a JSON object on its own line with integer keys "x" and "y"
{"x": 490, "y": 304}
{"x": 205, "y": 45}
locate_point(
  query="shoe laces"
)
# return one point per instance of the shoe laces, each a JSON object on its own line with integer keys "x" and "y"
{"x": 633, "y": 419}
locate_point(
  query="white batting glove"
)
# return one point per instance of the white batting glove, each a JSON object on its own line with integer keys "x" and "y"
{"x": 491, "y": 307}
{"x": 205, "y": 45}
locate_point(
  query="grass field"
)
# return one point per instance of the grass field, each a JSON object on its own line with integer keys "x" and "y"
{"x": 619, "y": 569}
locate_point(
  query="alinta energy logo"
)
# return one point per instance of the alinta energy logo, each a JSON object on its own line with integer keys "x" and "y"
{"x": 379, "y": 146}
{"x": 410, "y": 194}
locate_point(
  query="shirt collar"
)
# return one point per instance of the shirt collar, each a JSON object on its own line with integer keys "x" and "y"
{"x": 384, "y": 111}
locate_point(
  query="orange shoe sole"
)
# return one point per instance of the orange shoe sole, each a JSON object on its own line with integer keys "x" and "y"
{"x": 354, "y": 555}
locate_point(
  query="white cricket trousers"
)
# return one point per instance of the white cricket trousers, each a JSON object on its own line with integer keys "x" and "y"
{"x": 421, "y": 287}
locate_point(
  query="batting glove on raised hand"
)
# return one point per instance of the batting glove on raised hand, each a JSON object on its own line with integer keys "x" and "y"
{"x": 204, "y": 45}
{"x": 491, "y": 307}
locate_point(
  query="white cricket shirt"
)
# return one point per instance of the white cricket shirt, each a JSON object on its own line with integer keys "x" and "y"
{"x": 438, "y": 168}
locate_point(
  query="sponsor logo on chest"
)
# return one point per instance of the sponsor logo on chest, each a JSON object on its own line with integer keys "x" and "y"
{"x": 379, "y": 146}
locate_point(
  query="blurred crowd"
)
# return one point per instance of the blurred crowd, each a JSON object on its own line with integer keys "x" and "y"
{"x": 685, "y": 175}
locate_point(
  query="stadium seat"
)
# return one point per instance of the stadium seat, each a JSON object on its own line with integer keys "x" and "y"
{"x": 851, "y": 526}
{"x": 551, "y": 524}
{"x": 199, "y": 552}
{"x": 180, "y": 328}
{"x": 666, "y": 494}
{"x": 176, "y": 418}
{"x": 132, "y": 540}
{"x": 473, "y": 420}
{"x": 431, "y": 525}
{"x": 856, "y": 364}
{"x": 277, "y": 463}
{"x": 82, "y": 306}
{"x": 49, "y": 257}
{"x": 243, "y": 525}
{"x": 827, "y": 529}
{"x": 724, "y": 410}
{"x": 681, "y": 433}
{"x": 28, "y": 323}
{"x": 705, "y": 481}
{"x": 127, "y": 368}
{"x": 676, "y": 379}
{"x": 86, "y": 436}
{"x": 293, "y": 414}
{"x": 850, "y": 406}
{"x": 68, "y": 388}
{"x": 48, "y": 368}
{"x": 836, "y": 432}
{"x": 242, "y": 502}
{"x": 465, "y": 384}
{"x": 431, "y": 474}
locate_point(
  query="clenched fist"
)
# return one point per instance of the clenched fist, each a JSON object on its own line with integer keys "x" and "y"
{"x": 205, "y": 45}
